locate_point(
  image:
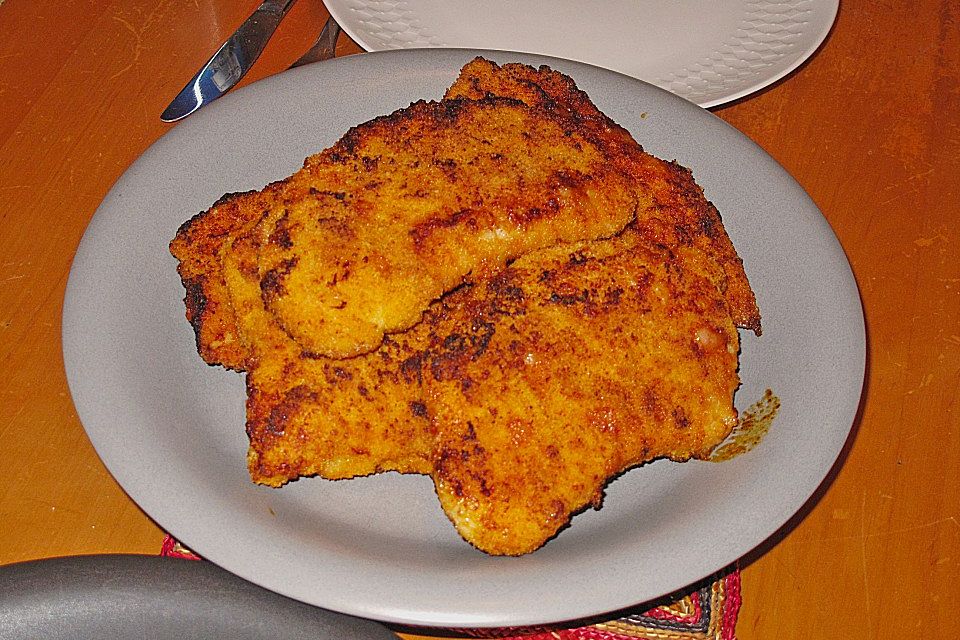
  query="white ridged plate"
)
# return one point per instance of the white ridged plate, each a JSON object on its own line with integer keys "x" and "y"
{"x": 706, "y": 51}
{"x": 171, "y": 429}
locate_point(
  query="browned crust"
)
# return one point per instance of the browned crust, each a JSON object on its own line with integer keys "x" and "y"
{"x": 434, "y": 182}
{"x": 199, "y": 240}
{"x": 493, "y": 394}
{"x": 672, "y": 186}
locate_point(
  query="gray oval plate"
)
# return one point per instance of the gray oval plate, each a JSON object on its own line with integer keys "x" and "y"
{"x": 171, "y": 429}
{"x": 141, "y": 597}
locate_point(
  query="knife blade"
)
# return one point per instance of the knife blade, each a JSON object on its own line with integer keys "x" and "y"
{"x": 231, "y": 61}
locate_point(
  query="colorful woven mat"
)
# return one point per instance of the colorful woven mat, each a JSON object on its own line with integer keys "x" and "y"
{"x": 707, "y": 611}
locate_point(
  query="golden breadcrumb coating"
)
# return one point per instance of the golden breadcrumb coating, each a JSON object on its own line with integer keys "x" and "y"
{"x": 677, "y": 198}
{"x": 521, "y": 395}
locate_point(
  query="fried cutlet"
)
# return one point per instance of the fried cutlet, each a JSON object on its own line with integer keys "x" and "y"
{"x": 408, "y": 206}
{"x": 525, "y": 385}
{"x": 674, "y": 195}
{"x": 521, "y": 395}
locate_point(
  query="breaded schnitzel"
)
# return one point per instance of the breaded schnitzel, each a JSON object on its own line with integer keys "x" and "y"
{"x": 521, "y": 395}
{"x": 403, "y": 208}
{"x": 443, "y": 228}
{"x": 408, "y": 206}
{"x": 571, "y": 345}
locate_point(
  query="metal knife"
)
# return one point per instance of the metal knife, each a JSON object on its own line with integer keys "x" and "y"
{"x": 231, "y": 62}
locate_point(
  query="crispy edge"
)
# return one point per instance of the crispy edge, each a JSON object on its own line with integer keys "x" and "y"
{"x": 197, "y": 246}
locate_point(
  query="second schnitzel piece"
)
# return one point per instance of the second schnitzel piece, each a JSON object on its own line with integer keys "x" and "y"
{"x": 521, "y": 395}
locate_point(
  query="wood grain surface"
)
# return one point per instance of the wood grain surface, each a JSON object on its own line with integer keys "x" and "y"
{"x": 870, "y": 126}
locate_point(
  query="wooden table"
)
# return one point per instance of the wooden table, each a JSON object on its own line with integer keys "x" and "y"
{"x": 870, "y": 127}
